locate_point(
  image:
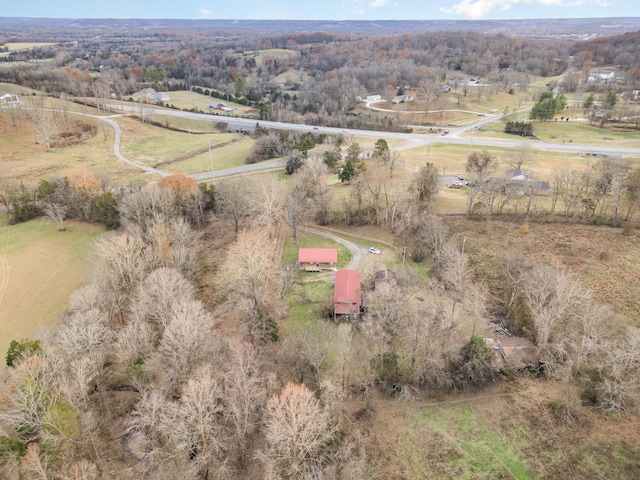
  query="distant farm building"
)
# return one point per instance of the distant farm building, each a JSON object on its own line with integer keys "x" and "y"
{"x": 518, "y": 182}
{"x": 8, "y": 99}
{"x": 602, "y": 76}
{"x": 223, "y": 107}
{"x": 241, "y": 127}
{"x": 161, "y": 97}
{"x": 144, "y": 94}
{"x": 316, "y": 259}
{"x": 347, "y": 297}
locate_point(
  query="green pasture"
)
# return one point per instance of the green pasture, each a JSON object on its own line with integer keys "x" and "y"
{"x": 39, "y": 268}
{"x": 578, "y": 132}
{"x": 452, "y": 442}
{"x": 184, "y": 152}
{"x": 187, "y": 99}
{"x": 308, "y": 305}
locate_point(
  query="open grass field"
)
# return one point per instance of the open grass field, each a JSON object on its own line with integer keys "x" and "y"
{"x": 174, "y": 151}
{"x": 506, "y": 431}
{"x": 274, "y": 54}
{"x": 579, "y": 132}
{"x": 25, "y": 45}
{"x": 186, "y": 99}
{"x": 21, "y": 159}
{"x": 39, "y": 268}
{"x": 606, "y": 260}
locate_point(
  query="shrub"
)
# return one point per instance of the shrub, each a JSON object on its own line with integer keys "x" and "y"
{"x": 21, "y": 349}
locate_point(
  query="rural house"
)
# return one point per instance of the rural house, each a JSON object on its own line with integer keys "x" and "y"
{"x": 8, "y": 98}
{"x": 316, "y": 259}
{"x": 347, "y": 297}
{"x": 518, "y": 182}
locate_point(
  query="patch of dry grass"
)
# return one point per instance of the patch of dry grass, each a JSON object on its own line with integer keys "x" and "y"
{"x": 603, "y": 259}
{"x": 39, "y": 268}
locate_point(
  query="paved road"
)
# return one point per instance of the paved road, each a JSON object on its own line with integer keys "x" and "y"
{"x": 413, "y": 140}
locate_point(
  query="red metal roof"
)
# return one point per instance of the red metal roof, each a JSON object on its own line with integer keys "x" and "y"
{"x": 346, "y": 293}
{"x": 318, "y": 255}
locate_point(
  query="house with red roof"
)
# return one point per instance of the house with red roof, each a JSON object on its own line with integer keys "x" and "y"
{"x": 316, "y": 259}
{"x": 347, "y": 297}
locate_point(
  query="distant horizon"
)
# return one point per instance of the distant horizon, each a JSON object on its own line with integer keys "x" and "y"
{"x": 328, "y": 10}
{"x": 326, "y": 19}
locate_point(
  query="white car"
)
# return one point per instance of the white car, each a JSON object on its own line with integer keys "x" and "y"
{"x": 374, "y": 250}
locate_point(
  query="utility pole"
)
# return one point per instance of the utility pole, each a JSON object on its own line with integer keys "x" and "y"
{"x": 211, "y": 160}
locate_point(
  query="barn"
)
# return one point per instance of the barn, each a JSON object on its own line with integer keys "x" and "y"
{"x": 347, "y": 297}
{"x": 317, "y": 259}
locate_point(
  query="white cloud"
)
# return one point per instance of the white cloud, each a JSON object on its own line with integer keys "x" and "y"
{"x": 482, "y": 8}
{"x": 378, "y": 3}
{"x": 206, "y": 13}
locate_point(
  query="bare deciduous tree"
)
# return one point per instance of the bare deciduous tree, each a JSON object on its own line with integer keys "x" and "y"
{"x": 158, "y": 295}
{"x": 56, "y": 213}
{"x": 268, "y": 202}
{"x": 198, "y": 431}
{"x": 297, "y": 428}
{"x": 44, "y": 123}
{"x": 184, "y": 343}
{"x": 244, "y": 392}
{"x": 232, "y": 201}
{"x": 479, "y": 166}
{"x": 243, "y": 278}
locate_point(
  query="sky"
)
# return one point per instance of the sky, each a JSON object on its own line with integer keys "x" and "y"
{"x": 323, "y": 9}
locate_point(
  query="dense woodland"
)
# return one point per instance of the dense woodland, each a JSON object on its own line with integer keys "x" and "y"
{"x": 331, "y": 69}
{"x": 172, "y": 362}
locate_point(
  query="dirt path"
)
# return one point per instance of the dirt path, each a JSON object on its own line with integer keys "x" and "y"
{"x": 4, "y": 276}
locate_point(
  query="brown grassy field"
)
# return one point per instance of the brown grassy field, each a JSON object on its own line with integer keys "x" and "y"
{"x": 21, "y": 159}
{"x": 606, "y": 260}
{"x": 39, "y": 268}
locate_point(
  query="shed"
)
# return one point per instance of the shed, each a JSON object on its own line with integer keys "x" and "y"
{"x": 347, "y": 297}
{"x": 161, "y": 97}
{"x": 385, "y": 280}
{"x": 316, "y": 259}
{"x": 516, "y": 353}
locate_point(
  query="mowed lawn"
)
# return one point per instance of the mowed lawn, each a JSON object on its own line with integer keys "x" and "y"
{"x": 39, "y": 268}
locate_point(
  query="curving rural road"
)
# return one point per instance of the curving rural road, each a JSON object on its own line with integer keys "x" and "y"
{"x": 412, "y": 141}
{"x": 356, "y": 251}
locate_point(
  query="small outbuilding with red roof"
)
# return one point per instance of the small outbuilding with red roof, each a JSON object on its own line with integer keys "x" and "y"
{"x": 347, "y": 297}
{"x": 316, "y": 259}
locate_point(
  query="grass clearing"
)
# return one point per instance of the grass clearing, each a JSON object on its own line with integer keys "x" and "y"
{"x": 578, "y": 132}
{"x": 39, "y": 268}
{"x": 25, "y": 45}
{"x": 187, "y": 100}
{"x": 312, "y": 304}
{"x": 21, "y": 159}
{"x": 475, "y": 449}
{"x": 182, "y": 152}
